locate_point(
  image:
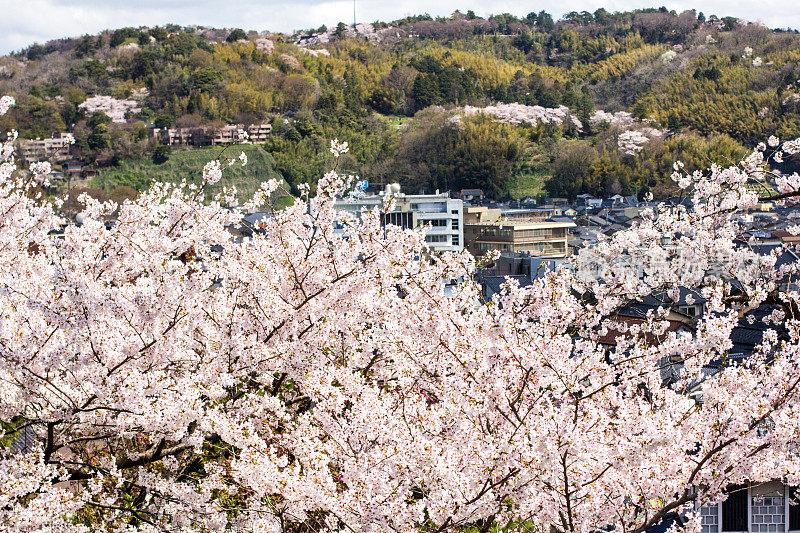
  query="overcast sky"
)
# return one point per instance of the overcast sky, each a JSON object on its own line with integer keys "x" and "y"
{"x": 24, "y": 22}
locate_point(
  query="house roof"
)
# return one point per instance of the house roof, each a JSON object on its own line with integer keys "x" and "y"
{"x": 494, "y": 284}
{"x": 611, "y": 336}
{"x": 749, "y": 332}
{"x": 661, "y": 298}
{"x": 252, "y": 222}
{"x": 785, "y": 236}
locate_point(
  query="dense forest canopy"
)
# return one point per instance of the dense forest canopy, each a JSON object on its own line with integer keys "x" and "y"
{"x": 638, "y": 88}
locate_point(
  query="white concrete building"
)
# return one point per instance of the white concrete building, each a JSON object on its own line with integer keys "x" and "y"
{"x": 443, "y": 215}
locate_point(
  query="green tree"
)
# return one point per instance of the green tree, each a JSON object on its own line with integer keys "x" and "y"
{"x": 236, "y": 35}
{"x": 159, "y": 33}
{"x": 161, "y": 154}
{"x": 204, "y": 79}
{"x": 425, "y": 90}
{"x": 123, "y": 34}
{"x": 35, "y": 51}
{"x": 340, "y": 31}
{"x": 99, "y": 137}
{"x": 545, "y": 21}
{"x": 383, "y": 100}
{"x": 163, "y": 121}
{"x": 585, "y": 110}
{"x": 571, "y": 169}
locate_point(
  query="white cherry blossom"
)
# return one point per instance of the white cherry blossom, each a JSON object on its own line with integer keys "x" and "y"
{"x": 160, "y": 372}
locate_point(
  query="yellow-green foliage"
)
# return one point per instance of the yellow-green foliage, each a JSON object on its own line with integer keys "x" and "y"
{"x": 611, "y": 62}
{"x": 724, "y": 95}
{"x": 618, "y": 65}
{"x": 490, "y": 70}
{"x": 602, "y": 170}
{"x": 724, "y": 92}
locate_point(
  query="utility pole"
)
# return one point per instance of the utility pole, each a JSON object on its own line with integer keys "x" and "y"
{"x": 354, "y": 16}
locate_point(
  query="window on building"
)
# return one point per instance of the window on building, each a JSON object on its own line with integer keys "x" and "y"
{"x": 709, "y": 519}
{"x": 454, "y": 212}
{"x": 734, "y": 509}
{"x": 768, "y": 512}
{"x": 429, "y": 207}
{"x": 436, "y": 238}
{"x": 455, "y": 223}
{"x": 435, "y": 222}
{"x": 402, "y": 219}
{"x": 455, "y": 240}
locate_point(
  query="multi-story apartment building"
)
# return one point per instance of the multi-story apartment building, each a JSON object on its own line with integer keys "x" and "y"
{"x": 205, "y": 136}
{"x": 259, "y": 133}
{"x": 55, "y": 148}
{"x": 172, "y": 136}
{"x": 176, "y": 136}
{"x": 228, "y": 134}
{"x": 443, "y": 215}
{"x": 491, "y": 229}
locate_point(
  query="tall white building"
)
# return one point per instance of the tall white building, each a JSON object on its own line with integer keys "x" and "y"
{"x": 443, "y": 214}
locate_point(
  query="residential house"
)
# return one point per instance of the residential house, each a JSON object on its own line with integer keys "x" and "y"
{"x": 471, "y": 195}
{"x": 228, "y": 134}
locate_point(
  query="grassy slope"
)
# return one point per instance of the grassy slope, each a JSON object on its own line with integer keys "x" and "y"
{"x": 529, "y": 184}
{"x": 188, "y": 164}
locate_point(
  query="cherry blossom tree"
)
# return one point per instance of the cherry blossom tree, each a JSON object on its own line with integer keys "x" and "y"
{"x": 316, "y": 377}
{"x": 631, "y": 142}
{"x": 516, "y": 113}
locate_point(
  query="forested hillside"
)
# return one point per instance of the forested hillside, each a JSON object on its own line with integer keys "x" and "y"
{"x": 595, "y": 102}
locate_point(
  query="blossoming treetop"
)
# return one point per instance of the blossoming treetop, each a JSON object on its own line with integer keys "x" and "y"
{"x": 313, "y": 379}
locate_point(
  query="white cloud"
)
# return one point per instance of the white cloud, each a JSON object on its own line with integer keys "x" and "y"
{"x": 27, "y": 21}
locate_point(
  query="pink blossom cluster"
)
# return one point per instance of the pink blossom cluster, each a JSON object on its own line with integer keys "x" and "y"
{"x": 623, "y": 119}
{"x": 5, "y": 104}
{"x": 174, "y": 376}
{"x": 316, "y": 52}
{"x": 264, "y": 45}
{"x": 114, "y": 108}
{"x": 632, "y": 142}
{"x": 516, "y": 113}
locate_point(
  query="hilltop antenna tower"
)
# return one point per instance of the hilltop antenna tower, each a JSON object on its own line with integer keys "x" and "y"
{"x": 354, "y": 15}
